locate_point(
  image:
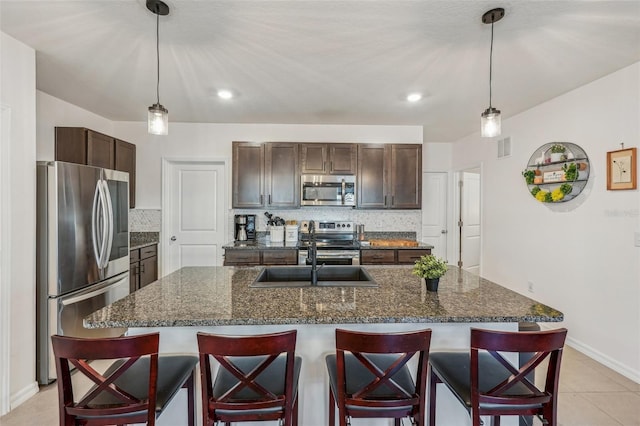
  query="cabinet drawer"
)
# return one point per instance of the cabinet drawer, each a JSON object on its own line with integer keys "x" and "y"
{"x": 377, "y": 256}
{"x": 134, "y": 256}
{"x": 148, "y": 251}
{"x": 280, "y": 257}
{"x": 242, "y": 257}
{"x": 410, "y": 256}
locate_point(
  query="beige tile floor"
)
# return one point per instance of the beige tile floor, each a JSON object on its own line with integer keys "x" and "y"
{"x": 590, "y": 395}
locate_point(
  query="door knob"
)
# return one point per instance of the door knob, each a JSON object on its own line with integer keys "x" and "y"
{"x": 173, "y": 238}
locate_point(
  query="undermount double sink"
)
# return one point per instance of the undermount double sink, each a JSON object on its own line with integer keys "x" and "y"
{"x": 300, "y": 276}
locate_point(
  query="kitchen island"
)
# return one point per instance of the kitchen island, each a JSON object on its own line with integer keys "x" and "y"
{"x": 219, "y": 300}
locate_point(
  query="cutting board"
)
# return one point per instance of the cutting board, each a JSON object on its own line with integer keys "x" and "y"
{"x": 394, "y": 243}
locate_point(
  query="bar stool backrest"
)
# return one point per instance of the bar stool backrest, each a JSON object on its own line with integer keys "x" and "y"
{"x": 517, "y": 389}
{"x": 119, "y": 407}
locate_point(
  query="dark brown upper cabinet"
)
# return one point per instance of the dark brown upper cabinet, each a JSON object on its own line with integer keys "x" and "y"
{"x": 389, "y": 176}
{"x": 281, "y": 175}
{"x": 265, "y": 175}
{"x": 248, "y": 175}
{"x": 85, "y": 146}
{"x": 331, "y": 159}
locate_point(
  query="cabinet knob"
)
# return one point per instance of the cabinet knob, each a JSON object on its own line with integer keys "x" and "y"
{"x": 173, "y": 238}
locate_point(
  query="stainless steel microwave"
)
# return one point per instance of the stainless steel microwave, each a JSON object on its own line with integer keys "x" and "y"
{"x": 328, "y": 190}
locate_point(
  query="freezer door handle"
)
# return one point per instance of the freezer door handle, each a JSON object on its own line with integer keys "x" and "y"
{"x": 91, "y": 294}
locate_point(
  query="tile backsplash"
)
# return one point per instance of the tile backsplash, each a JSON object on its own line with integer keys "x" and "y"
{"x": 145, "y": 220}
{"x": 373, "y": 220}
{"x": 150, "y": 220}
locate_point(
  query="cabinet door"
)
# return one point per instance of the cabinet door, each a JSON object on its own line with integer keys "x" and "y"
{"x": 384, "y": 257}
{"x": 282, "y": 178}
{"x": 248, "y": 175}
{"x": 100, "y": 150}
{"x": 241, "y": 257}
{"x": 409, "y": 256}
{"x": 125, "y": 161}
{"x": 71, "y": 145}
{"x": 134, "y": 277}
{"x": 313, "y": 158}
{"x": 405, "y": 177}
{"x": 342, "y": 159}
{"x": 371, "y": 179}
{"x": 280, "y": 257}
{"x": 148, "y": 271}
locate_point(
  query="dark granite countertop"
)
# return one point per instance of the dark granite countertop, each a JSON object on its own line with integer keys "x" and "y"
{"x": 213, "y": 296}
{"x": 260, "y": 244}
{"x": 142, "y": 239}
{"x": 420, "y": 246}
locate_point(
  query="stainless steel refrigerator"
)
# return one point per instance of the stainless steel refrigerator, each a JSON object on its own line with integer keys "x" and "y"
{"x": 82, "y": 251}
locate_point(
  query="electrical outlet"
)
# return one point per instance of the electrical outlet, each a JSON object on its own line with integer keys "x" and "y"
{"x": 530, "y": 286}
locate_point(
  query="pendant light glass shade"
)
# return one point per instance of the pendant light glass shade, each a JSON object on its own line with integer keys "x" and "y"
{"x": 158, "y": 116}
{"x": 490, "y": 123}
{"x": 158, "y": 120}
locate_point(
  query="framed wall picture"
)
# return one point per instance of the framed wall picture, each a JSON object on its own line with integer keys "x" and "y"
{"x": 621, "y": 169}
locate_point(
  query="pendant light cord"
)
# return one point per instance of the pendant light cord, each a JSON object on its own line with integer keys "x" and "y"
{"x": 490, "y": 64}
{"x": 158, "y": 56}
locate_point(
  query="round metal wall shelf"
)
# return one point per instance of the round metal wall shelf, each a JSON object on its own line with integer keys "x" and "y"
{"x": 557, "y": 177}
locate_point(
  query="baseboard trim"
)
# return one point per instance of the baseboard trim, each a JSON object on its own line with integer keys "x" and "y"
{"x": 24, "y": 394}
{"x": 598, "y": 356}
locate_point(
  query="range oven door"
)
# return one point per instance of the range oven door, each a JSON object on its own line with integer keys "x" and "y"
{"x": 331, "y": 257}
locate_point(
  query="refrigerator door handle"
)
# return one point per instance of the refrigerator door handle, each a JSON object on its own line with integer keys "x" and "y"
{"x": 94, "y": 226}
{"x": 110, "y": 222}
{"x": 105, "y": 226}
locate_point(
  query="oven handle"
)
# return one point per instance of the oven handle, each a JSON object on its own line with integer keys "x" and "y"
{"x": 344, "y": 190}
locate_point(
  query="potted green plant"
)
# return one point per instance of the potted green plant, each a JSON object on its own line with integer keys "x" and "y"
{"x": 430, "y": 268}
{"x": 558, "y": 152}
{"x": 570, "y": 172}
{"x": 529, "y": 176}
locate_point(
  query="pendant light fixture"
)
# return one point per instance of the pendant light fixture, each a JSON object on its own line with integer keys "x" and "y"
{"x": 490, "y": 121}
{"x": 158, "y": 116}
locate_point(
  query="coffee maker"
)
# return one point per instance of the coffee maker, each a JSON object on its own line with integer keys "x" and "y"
{"x": 245, "y": 227}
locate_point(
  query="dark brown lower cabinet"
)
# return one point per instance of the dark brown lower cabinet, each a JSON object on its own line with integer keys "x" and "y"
{"x": 143, "y": 267}
{"x": 245, "y": 257}
{"x": 391, "y": 256}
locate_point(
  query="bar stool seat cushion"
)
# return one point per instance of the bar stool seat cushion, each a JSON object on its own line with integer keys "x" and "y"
{"x": 173, "y": 372}
{"x": 358, "y": 376}
{"x": 272, "y": 379}
{"x": 454, "y": 370}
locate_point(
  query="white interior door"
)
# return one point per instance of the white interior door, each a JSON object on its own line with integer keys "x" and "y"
{"x": 470, "y": 216}
{"x": 194, "y": 214}
{"x": 434, "y": 212}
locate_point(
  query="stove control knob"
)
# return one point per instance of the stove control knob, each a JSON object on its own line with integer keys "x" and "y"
{"x": 348, "y": 225}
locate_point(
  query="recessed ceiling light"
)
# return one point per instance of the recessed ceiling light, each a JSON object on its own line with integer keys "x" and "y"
{"x": 225, "y": 94}
{"x": 414, "y": 97}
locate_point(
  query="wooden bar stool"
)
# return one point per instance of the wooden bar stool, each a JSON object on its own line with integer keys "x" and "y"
{"x": 257, "y": 379}
{"x": 369, "y": 376}
{"x": 135, "y": 388}
{"x": 487, "y": 384}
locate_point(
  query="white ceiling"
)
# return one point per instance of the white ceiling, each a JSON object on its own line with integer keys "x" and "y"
{"x": 322, "y": 62}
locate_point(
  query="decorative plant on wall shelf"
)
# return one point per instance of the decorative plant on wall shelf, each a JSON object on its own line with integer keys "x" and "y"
{"x": 550, "y": 182}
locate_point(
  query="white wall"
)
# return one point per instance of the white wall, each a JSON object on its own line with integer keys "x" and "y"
{"x": 54, "y": 112}
{"x": 17, "y": 92}
{"x": 580, "y": 258}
